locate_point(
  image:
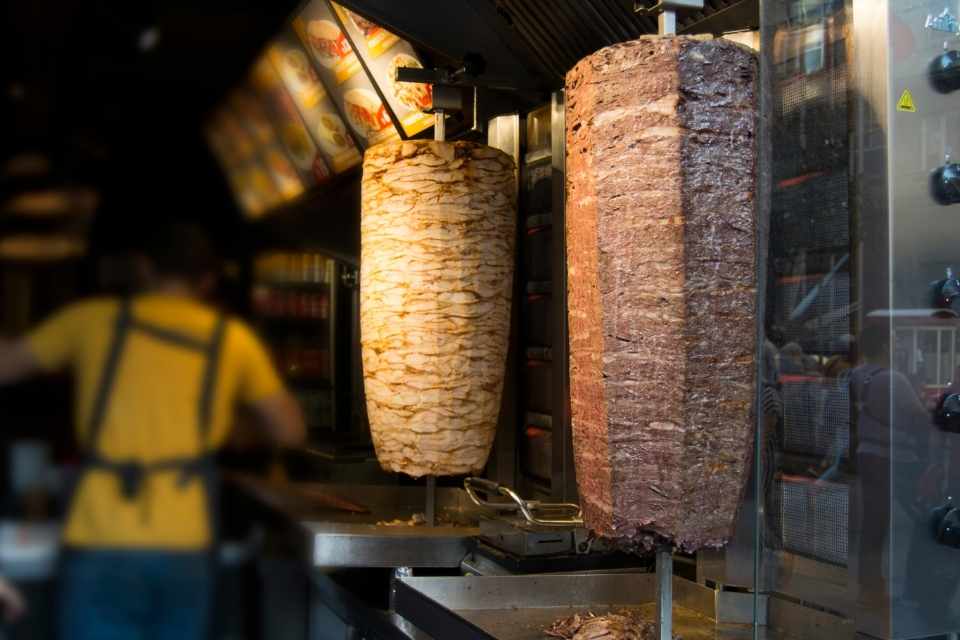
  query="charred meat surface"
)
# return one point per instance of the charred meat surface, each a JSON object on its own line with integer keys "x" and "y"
{"x": 661, "y": 230}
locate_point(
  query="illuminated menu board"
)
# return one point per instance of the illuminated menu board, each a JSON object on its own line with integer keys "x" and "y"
{"x": 343, "y": 74}
{"x": 382, "y": 53}
{"x": 252, "y": 186}
{"x": 260, "y": 178}
{"x": 313, "y": 102}
{"x": 323, "y": 91}
{"x": 251, "y": 115}
{"x": 291, "y": 129}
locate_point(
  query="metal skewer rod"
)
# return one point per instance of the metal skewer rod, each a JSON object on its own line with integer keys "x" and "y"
{"x": 439, "y": 126}
{"x": 664, "y": 592}
{"x": 431, "y": 510}
{"x": 667, "y": 22}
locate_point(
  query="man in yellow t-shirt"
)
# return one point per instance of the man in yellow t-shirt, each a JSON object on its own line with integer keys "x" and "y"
{"x": 158, "y": 379}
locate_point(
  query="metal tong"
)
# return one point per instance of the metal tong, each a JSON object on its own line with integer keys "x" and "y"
{"x": 551, "y": 514}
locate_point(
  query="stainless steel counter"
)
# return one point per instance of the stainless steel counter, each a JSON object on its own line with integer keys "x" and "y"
{"x": 339, "y": 523}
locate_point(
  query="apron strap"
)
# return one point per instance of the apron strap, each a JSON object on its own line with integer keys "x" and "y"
{"x": 167, "y": 335}
{"x": 210, "y": 376}
{"x": 108, "y": 374}
{"x": 132, "y": 473}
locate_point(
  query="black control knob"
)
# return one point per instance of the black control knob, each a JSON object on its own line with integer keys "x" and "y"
{"x": 945, "y": 184}
{"x": 948, "y": 533}
{"x": 945, "y": 72}
{"x": 938, "y": 513}
{"x": 946, "y": 295}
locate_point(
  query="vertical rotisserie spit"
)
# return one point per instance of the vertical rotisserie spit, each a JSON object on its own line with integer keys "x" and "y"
{"x": 661, "y": 228}
{"x": 437, "y": 244}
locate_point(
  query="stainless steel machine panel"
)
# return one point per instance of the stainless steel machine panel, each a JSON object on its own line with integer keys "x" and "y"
{"x": 903, "y": 581}
{"x": 863, "y": 108}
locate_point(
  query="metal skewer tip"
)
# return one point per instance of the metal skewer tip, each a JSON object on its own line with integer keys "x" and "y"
{"x": 667, "y": 22}
{"x": 439, "y": 126}
{"x": 664, "y": 592}
{"x": 431, "y": 508}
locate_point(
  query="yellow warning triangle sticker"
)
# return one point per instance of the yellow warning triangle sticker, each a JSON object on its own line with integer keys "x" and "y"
{"x": 906, "y": 102}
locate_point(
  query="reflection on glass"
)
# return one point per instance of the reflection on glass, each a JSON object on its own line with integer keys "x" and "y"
{"x": 859, "y": 452}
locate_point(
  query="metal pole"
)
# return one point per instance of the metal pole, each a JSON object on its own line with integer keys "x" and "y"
{"x": 439, "y": 126}
{"x": 398, "y": 573}
{"x": 665, "y": 592}
{"x": 668, "y": 23}
{"x": 431, "y": 510}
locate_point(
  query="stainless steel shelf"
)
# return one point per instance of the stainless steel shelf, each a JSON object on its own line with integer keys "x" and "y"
{"x": 338, "y": 538}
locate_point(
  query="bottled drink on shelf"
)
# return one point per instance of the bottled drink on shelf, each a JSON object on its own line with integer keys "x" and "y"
{"x": 290, "y": 285}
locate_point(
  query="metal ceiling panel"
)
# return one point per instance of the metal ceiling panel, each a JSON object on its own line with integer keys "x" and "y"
{"x": 561, "y": 32}
{"x": 537, "y": 41}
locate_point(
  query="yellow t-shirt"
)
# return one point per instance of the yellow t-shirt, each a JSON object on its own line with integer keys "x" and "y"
{"x": 151, "y": 415}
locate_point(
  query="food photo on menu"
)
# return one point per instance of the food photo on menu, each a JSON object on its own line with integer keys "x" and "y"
{"x": 313, "y": 103}
{"x": 331, "y": 48}
{"x": 333, "y": 132}
{"x": 302, "y": 148}
{"x": 254, "y": 116}
{"x": 368, "y": 115}
{"x": 333, "y": 138}
{"x": 362, "y": 114}
{"x": 416, "y": 96}
{"x": 297, "y": 141}
{"x": 285, "y": 176}
{"x": 300, "y": 77}
{"x": 384, "y": 53}
{"x": 377, "y": 39}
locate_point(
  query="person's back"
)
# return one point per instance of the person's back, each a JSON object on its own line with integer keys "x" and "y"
{"x": 158, "y": 379}
{"x": 165, "y": 379}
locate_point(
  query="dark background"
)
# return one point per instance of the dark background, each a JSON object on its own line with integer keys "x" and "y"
{"x": 78, "y": 86}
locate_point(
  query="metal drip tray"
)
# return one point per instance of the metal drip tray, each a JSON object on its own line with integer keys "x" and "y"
{"x": 520, "y": 607}
{"x": 357, "y": 540}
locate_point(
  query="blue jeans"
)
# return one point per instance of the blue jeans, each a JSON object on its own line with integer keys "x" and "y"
{"x": 136, "y": 595}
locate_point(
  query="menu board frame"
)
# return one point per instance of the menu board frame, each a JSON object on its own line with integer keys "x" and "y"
{"x": 377, "y": 49}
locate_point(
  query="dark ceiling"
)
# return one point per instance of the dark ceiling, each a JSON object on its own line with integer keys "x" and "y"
{"x": 79, "y": 85}
{"x": 560, "y": 35}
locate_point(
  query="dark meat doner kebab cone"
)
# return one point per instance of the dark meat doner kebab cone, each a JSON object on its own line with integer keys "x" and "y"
{"x": 436, "y": 280}
{"x": 661, "y": 231}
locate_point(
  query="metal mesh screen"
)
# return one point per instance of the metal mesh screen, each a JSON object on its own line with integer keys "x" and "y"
{"x": 814, "y": 213}
{"x": 814, "y": 136}
{"x": 814, "y": 519}
{"x": 827, "y": 318}
{"x": 801, "y": 409}
{"x": 833, "y": 429}
{"x": 811, "y": 99}
{"x": 816, "y": 416}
